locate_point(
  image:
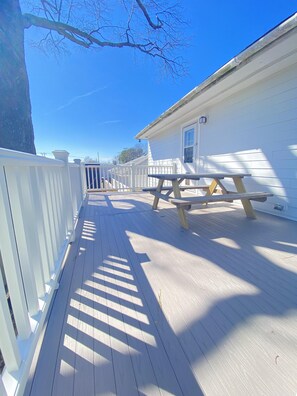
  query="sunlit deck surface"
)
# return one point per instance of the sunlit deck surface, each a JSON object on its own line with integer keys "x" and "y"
{"x": 147, "y": 308}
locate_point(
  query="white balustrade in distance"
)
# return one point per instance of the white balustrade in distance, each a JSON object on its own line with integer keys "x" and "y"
{"x": 122, "y": 177}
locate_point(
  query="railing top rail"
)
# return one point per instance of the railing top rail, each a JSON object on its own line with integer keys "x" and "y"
{"x": 125, "y": 166}
{"x": 159, "y": 166}
{"x": 11, "y": 157}
{"x": 73, "y": 165}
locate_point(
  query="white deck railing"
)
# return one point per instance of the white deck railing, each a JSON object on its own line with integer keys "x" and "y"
{"x": 40, "y": 200}
{"x": 122, "y": 177}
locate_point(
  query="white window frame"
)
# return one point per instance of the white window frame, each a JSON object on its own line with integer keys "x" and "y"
{"x": 185, "y": 129}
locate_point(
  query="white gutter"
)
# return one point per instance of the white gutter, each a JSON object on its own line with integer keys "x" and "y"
{"x": 239, "y": 60}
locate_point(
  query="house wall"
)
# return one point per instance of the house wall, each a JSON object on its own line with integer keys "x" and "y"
{"x": 165, "y": 148}
{"x": 253, "y": 131}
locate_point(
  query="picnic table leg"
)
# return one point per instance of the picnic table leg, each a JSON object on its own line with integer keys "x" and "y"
{"x": 159, "y": 189}
{"x": 249, "y": 211}
{"x": 181, "y": 211}
{"x": 212, "y": 187}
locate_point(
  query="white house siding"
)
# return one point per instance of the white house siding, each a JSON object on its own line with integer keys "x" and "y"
{"x": 253, "y": 131}
{"x": 165, "y": 148}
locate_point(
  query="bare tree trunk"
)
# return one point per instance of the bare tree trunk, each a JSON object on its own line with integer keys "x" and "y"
{"x": 16, "y": 129}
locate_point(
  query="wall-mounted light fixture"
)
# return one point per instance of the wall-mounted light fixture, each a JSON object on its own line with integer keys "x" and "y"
{"x": 203, "y": 120}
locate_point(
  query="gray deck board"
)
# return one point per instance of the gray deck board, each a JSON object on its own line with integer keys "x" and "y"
{"x": 166, "y": 339}
{"x": 147, "y": 308}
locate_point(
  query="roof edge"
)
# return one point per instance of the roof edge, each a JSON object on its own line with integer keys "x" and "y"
{"x": 272, "y": 35}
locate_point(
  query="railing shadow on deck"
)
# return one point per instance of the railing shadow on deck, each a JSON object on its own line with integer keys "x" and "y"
{"x": 115, "y": 337}
{"x": 112, "y": 338}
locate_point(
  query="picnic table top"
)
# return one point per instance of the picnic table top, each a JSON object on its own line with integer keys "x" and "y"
{"x": 196, "y": 176}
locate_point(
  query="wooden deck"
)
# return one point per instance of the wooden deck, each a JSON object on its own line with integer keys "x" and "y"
{"x": 147, "y": 308}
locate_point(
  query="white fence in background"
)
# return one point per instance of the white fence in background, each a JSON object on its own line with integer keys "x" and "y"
{"x": 40, "y": 200}
{"x": 122, "y": 177}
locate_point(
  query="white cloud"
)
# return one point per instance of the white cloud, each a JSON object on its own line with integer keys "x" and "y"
{"x": 110, "y": 122}
{"x": 78, "y": 97}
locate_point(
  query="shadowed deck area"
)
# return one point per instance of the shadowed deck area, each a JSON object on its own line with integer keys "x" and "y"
{"x": 145, "y": 307}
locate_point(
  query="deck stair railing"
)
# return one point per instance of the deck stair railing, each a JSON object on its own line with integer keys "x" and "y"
{"x": 40, "y": 200}
{"x": 122, "y": 177}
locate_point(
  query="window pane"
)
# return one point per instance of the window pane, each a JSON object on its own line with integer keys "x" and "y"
{"x": 189, "y": 138}
{"x": 188, "y": 154}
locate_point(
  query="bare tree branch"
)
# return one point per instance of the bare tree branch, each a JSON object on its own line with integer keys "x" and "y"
{"x": 148, "y": 18}
{"x": 87, "y": 40}
{"x": 87, "y": 24}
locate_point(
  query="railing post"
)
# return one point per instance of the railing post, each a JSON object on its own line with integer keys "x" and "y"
{"x": 174, "y": 167}
{"x": 83, "y": 178}
{"x": 63, "y": 156}
{"x": 77, "y": 161}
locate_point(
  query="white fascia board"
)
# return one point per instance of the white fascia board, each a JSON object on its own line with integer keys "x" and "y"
{"x": 275, "y": 37}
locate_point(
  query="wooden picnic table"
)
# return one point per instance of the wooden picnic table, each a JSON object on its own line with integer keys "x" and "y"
{"x": 185, "y": 203}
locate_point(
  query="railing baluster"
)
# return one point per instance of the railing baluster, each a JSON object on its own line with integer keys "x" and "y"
{"x": 88, "y": 177}
{"x": 18, "y": 197}
{"x": 8, "y": 344}
{"x": 11, "y": 264}
{"x": 106, "y": 178}
{"x": 41, "y": 174}
{"x": 118, "y": 179}
{"x": 126, "y": 173}
{"x": 30, "y": 216}
{"x": 40, "y": 228}
{"x": 101, "y": 177}
{"x": 60, "y": 188}
{"x": 54, "y": 210}
{"x": 114, "y": 181}
{"x": 51, "y": 214}
{"x": 94, "y": 178}
{"x": 2, "y": 388}
{"x": 133, "y": 177}
{"x": 62, "y": 208}
{"x": 61, "y": 196}
{"x": 67, "y": 189}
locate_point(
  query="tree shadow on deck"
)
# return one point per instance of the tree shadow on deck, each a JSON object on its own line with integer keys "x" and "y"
{"x": 247, "y": 250}
{"x": 115, "y": 337}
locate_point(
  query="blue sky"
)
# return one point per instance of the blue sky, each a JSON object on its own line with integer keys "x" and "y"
{"x": 97, "y": 101}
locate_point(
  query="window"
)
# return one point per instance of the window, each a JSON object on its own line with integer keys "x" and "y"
{"x": 189, "y": 145}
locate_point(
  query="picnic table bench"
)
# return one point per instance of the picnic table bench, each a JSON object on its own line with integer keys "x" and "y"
{"x": 182, "y": 188}
{"x": 185, "y": 203}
